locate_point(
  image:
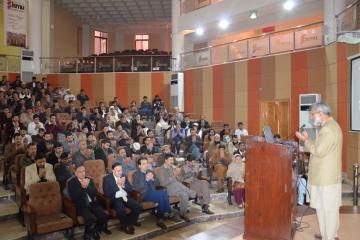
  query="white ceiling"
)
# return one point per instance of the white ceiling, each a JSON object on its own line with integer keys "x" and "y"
{"x": 115, "y": 12}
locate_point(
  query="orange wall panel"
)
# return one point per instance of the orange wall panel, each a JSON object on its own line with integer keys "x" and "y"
{"x": 254, "y": 96}
{"x": 86, "y": 84}
{"x": 218, "y": 93}
{"x": 121, "y": 86}
{"x": 188, "y": 91}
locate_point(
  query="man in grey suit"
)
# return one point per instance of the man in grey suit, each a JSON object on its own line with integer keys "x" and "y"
{"x": 324, "y": 175}
{"x": 167, "y": 175}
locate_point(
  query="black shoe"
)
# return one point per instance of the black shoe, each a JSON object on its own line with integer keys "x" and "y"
{"x": 96, "y": 235}
{"x": 161, "y": 224}
{"x": 175, "y": 218}
{"x": 107, "y": 231}
{"x": 207, "y": 210}
{"x": 137, "y": 224}
{"x": 128, "y": 230}
{"x": 186, "y": 219}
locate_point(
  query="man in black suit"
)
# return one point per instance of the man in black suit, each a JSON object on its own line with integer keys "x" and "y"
{"x": 102, "y": 151}
{"x": 117, "y": 187}
{"x": 83, "y": 193}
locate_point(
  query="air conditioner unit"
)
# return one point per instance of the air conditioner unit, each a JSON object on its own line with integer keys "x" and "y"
{"x": 27, "y": 65}
{"x": 177, "y": 91}
{"x": 305, "y": 102}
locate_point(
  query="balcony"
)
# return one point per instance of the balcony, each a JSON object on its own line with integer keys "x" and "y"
{"x": 348, "y": 24}
{"x": 114, "y": 63}
{"x": 294, "y": 39}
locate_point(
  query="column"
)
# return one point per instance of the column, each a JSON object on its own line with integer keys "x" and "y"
{"x": 119, "y": 40}
{"x": 46, "y": 28}
{"x": 177, "y": 36}
{"x": 85, "y": 51}
{"x": 331, "y": 8}
{"x": 35, "y": 35}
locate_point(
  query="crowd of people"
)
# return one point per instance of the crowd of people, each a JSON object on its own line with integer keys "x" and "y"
{"x": 189, "y": 153}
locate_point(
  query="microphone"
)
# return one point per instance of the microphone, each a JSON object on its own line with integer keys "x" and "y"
{"x": 301, "y": 128}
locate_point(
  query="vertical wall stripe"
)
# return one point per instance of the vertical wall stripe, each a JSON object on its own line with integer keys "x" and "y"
{"x": 229, "y": 94}
{"x": 109, "y": 87}
{"x": 53, "y": 79}
{"x": 157, "y": 87}
{"x": 188, "y": 91}
{"x": 207, "y": 97}
{"x": 74, "y": 83}
{"x": 133, "y": 87}
{"x": 218, "y": 93}
{"x": 198, "y": 91}
{"x": 63, "y": 80}
{"x": 331, "y": 78}
{"x": 241, "y": 92}
{"x": 98, "y": 82}
{"x": 254, "y": 96}
{"x": 299, "y": 84}
{"x": 342, "y": 94}
{"x": 316, "y": 71}
{"x": 282, "y": 77}
{"x": 145, "y": 88}
{"x": 86, "y": 85}
{"x": 166, "y": 88}
{"x": 122, "y": 88}
{"x": 268, "y": 78}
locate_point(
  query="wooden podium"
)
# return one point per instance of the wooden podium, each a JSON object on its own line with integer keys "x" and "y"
{"x": 270, "y": 191}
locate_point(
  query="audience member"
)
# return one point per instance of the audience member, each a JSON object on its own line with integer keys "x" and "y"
{"x": 236, "y": 171}
{"x": 117, "y": 188}
{"x": 219, "y": 160}
{"x": 63, "y": 171}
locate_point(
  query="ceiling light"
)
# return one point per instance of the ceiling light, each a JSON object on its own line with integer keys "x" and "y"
{"x": 253, "y": 15}
{"x": 199, "y": 31}
{"x": 288, "y": 5}
{"x": 224, "y": 24}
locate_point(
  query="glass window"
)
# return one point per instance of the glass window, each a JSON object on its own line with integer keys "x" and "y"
{"x": 142, "y": 42}
{"x": 100, "y": 42}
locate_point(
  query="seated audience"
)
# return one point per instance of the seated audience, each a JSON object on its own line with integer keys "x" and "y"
{"x": 82, "y": 97}
{"x": 79, "y": 157}
{"x": 102, "y": 152}
{"x": 83, "y": 193}
{"x": 40, "y": 171}
{"x": 128, "y": 164}
{"x": 63, "y": 171}
{"x": 29, "y": 158}
{"x": 71, "y": 143}
{"x": 167, "y": 176}
{"x": 236, "y": 171}
{"x": 233, "y": 145}
{"x": 193, "y": 144}
{"x": 191, "y": 176}
{"x": 241, "y": 150}
{"x": 241, "y": 131}
{"x": 54, "y": 157}
{"x": 11, "y": 150}
{"x": 34, "y": 126}
{"x": 147, "y": 185}
{"x": 117, "y": 188}
{"x": 178, "y": 137}
{"x": 145, "y": 108}
{"x": 219, "y": 161}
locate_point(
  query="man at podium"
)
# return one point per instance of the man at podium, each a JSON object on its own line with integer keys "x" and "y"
{"x": 324, "y": 177}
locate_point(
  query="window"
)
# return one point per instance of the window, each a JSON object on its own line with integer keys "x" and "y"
{"x": 100, "y": 42}
{"x": 141, "y": 42}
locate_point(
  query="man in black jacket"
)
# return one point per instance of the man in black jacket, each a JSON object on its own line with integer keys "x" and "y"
{"x": 117, "y": 187}
{"x": 62, "y": 171}
{"x": 103, "y": 151}
{"x": 83, "y": 193}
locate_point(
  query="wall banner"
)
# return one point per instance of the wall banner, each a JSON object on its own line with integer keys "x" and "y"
{"x": 15, "y": 22}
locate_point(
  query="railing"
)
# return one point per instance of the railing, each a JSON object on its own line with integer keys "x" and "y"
{"x": 297, "y": 38}
{"x": 9, "y": 63}
{"x": 192, "y": 5}
{"x": 119, "y": 63}
{"x": 356, "y": 176}
{"x": 348, "y": 20}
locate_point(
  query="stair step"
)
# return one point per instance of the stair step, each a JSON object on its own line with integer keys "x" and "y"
{"x": 8, "y": 210}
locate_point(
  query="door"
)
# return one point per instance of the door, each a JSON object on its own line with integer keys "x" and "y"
{"x": 276, "y": 115}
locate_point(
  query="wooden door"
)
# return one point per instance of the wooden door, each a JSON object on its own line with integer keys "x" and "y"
{"x": 276, "y": 115}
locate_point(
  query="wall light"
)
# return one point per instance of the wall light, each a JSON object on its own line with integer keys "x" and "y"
{"x": 223, "y": 24}
{"x": 253, "y": 15}
{"x": 289, "y": 5}
{"x": 199, "y": 31}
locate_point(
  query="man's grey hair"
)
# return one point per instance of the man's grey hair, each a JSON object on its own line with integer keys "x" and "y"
{"x": 322, "y": 107}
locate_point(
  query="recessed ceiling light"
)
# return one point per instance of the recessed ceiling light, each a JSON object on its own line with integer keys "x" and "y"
{"x": 253, "y": 15}
{"x": 289, "y": 5}
{"x": 223, "y": 24}
{"x": 199, "y": 31}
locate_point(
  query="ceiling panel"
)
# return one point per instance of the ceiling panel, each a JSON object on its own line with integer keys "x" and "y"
{"x": 118, "y": 11}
